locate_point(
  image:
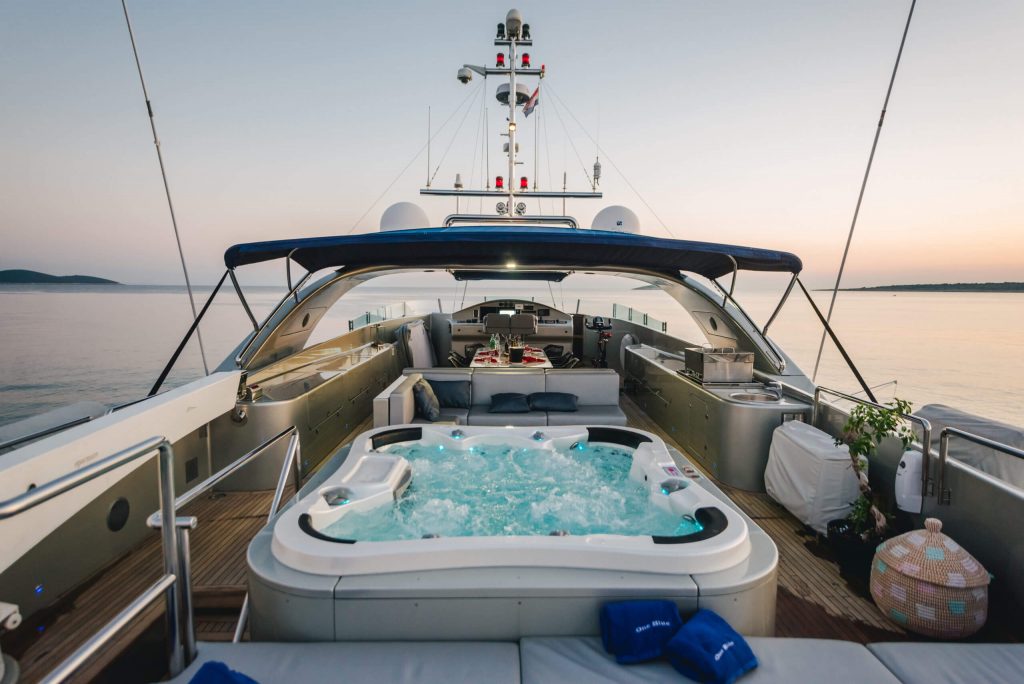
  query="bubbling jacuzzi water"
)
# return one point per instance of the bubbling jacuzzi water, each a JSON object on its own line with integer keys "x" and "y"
{"x": 497, "y": 490}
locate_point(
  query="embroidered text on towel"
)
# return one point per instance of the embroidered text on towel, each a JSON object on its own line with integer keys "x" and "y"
{"x": 652, "y": 624}
{"x": 725, "y": 647}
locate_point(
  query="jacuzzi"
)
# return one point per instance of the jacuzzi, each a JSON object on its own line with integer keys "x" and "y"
{"x": 698, "y": 532}
{"x": 380, "y": 546}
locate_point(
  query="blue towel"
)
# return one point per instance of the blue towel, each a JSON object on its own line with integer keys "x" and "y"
{"x": 216, "y": 672}
{"x": 707, "y": 649}
{"x": 635, "y": 631}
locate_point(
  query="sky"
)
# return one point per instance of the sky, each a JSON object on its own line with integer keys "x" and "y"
{"x": 741, "y": 122}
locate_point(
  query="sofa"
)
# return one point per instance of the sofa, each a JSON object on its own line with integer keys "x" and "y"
{"x": 597, "y": 392}
{"x": 560, "y": 660}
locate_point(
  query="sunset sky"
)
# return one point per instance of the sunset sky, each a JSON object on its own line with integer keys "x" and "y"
{"x": 744, "y": 122}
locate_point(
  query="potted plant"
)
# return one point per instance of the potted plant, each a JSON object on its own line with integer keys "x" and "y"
{"x": 855, "y": 537}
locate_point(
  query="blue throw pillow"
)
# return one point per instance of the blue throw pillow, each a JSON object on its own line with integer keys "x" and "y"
{"x": 509, "y": 402}
{"x": 635, "y": 631}
{"x": 427, "y": 406}
{"x": 216, "y": 672}
{"x": 707, "y": 649}
{"x": 553, "y": 401}
{"x": 452, "y": 393}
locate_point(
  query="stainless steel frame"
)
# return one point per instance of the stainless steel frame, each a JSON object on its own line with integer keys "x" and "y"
{"x": 169, "y": 584}
{"x": 477, "y": 219}
{"x": 945, "y": 495}
{"x": 926, "y": 430}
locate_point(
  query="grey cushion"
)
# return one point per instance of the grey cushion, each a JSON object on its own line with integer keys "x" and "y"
{"x": 553, "y": 401}
{"x": 458, "y": 416}
{"x": 377, "y": 662}
{"x": 479, "y": 415}
{"x": 557, "y": 660}
{"x": 453, "y": 393}
{"x": 509, "y": 402}
{"x": 937, "y": 663}
{"x": 490, "y": 382}
{"x": 594, "y": 386}
{"x": 427, "y": 405}
{"x": 589, "y": 415}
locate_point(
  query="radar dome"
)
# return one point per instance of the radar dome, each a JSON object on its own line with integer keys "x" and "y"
{"x": 617, "y": 218}
{"x": 402, "y": 216}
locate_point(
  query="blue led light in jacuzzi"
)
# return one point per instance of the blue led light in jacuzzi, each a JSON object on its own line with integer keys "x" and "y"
{"x": 501, "y": 491}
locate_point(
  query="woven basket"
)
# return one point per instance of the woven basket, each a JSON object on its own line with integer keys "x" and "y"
{"x": 927, "y": 583}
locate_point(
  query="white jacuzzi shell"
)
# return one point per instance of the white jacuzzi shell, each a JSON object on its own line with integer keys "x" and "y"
{"x": 298, "y": 549}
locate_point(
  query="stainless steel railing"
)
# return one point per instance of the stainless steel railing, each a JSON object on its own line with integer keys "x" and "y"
{"x": 168, "y": 584}
{"x": 291, "y": 462}
{"x": 926, "y": 429}
{"x": 945, "y": 495}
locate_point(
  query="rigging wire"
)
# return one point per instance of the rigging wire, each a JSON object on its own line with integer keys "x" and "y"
{"x": 167, "y": 188}
{"x": 571, "y": 143}
{"x": 863, "y": 186}
{"x": 612, "y": 162}
{"x": 455, "y": 135}
{"x": 411, "y": 162}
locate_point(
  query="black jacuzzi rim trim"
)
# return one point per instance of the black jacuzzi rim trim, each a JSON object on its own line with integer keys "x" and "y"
{"x": 306, "y": 525}
{"x": 711, "y": 518}
{"x": 614, "y": 435}
{"x": 396, "y": 435}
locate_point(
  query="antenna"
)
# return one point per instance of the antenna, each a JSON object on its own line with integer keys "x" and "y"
{"x": 428, "y": 146}
{"x": 167, "y": 189}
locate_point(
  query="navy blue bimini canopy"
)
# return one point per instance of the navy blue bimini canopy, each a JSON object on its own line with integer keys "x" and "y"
{"x": 525, "y": 247}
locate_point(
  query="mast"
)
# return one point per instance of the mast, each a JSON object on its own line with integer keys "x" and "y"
{"x": 514, "y": 35}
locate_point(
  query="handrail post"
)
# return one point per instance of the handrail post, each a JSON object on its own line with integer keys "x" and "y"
{"x": 943, "y": 498}
{"x": 187, "y": 624}
{"x": 172, "y": 561}
{"x": 293, "y": 463}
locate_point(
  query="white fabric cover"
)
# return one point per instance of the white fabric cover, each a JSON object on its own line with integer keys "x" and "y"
{"x": 810, "y": 476}
{"x": 381, "y": 662}
{"x": 418, "y": 349}
{"x": 560, "y": 660}
{"x": 944, "y": 663}
{"x": 597, "y": 387}
{"x": 1003, "y": 466}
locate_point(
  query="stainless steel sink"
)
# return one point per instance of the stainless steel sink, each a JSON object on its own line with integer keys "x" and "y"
{"x": 755, "y": 396}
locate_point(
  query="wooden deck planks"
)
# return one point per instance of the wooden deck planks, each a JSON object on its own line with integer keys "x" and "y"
{"x": 227, "y": 522}
{"x": 813, "y": 600}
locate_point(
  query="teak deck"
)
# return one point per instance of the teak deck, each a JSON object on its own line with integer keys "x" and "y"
{"x": 813, "y": 600}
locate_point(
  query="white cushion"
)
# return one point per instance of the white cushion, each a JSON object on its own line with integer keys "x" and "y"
{"x": 937, "y": 663}
{"x": 596, "y": 387}
{"x": 479, "y": 415}
{"x": 588, "y": 415}
{"x": 422, "y": 662}
{"x": 489, "y": 382}
{"x": 559, "y": 660}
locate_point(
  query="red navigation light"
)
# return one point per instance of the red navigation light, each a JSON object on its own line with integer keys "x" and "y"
{"x": 524, "y": 184}
{"x": 526, "y": 60}
{"x": 501, "y": 59}
{"x": 499, "y": 183}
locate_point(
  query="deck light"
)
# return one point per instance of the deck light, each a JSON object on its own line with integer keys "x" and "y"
{"x": 512, "y": 127}
{"x": 510, "y": 264}
{"x": 526, "y": 60}
{"x": 501, "y": 59}
{"x": 524, "y": 184}
{"x": 499, "y": 183}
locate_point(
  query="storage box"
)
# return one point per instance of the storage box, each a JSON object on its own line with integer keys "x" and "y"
{"x": 927, "y": 583}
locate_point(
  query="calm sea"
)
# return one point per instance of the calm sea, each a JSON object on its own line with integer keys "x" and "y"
{"x": 60, "y": 344}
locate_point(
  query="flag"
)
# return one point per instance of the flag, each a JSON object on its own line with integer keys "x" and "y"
{"x": 531, "y": 103}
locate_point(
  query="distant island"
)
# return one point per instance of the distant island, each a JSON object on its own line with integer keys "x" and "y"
{"x": 20, "y": 275}
{"x": 938, "y": 287}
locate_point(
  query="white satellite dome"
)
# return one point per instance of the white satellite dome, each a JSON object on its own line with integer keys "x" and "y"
{"x": 402, "y": 216}
{"x": 617, "y": 218}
